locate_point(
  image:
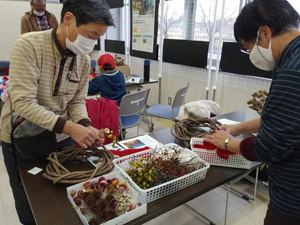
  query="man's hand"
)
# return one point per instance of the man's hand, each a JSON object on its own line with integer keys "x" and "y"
{"x": 98, "y": 142}
{"x": 85, "y": 137}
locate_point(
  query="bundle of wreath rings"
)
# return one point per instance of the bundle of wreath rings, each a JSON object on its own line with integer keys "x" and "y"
{"x": 185, "y": 129}
{"x": 58, "y": 173}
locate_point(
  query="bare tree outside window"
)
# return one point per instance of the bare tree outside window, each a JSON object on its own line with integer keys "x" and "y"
{"x": 172, "y": 23}
{"x": 205, "y": 18}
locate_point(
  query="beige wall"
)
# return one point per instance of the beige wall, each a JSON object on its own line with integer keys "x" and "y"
{"x": 10, "y": 23}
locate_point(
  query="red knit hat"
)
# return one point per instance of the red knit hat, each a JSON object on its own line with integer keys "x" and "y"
{"x": 106, "y": 61}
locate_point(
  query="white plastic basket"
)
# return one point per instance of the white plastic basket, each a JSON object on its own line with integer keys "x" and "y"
{"x": 122, "y": 219}
{"x": 210, "y": 156}
{"x": 164, "y": 189}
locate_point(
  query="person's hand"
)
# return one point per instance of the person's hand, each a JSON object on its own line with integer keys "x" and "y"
{"x": 98, "y": 142}
{"x": 218, "y": 138}
{"x": 91, "y": 77}
{"x": 84, "y": 136}
{"x": 233, "y": 129}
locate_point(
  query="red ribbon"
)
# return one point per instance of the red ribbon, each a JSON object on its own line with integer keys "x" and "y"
{"x": 220, "y": 152}
{"x": 128, "y": 151}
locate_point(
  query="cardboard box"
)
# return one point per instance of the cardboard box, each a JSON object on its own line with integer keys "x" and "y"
{"x": 124, "y": 69}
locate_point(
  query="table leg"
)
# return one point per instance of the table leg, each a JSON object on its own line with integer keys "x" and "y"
{"x": 199, "y": 214}
{"x": 227, "y": 199}
{"x": 256, "y": 181}
{"x": 242, "y": 195}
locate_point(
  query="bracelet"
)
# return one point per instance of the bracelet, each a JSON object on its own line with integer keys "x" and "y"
{"x": 226, "y": 143}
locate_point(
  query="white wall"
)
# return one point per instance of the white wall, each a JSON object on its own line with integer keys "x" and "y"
{"x": 10, "y": 23}
{"x": 233, "y": 91}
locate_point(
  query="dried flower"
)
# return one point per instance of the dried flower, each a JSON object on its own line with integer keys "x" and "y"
{"x": 86, "y": 185}
{"x": 73, "y": 192}
{"x": 77, "y": 201}
{"x": 80, "y": 194}
{"x": 115, "y": 181}
{"x": 94, "y": 221}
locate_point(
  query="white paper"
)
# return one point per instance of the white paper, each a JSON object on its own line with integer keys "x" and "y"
{"x": 35, "y": 170}
{"x": 116, "y": 148}
{"x": 134, "y": 80}
{"x": 226, "y": 121}
{"x": 139, "y": 142}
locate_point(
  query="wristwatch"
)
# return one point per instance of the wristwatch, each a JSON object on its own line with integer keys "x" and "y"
{"x": 226, "y": 143}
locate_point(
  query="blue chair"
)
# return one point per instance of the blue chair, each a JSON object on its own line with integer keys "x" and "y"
{"x": 167, "y": 111}
{"x": 131, "y": 107}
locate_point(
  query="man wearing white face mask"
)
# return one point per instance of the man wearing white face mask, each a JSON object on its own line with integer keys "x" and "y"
{"x": 49, "y": 75}
{"x": 268, "y": 29}
{"x": 38, "y": 18}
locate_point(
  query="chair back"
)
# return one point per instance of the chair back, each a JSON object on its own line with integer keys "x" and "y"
{"x": 180, "y": 96}
{"x": 134, "y": 103}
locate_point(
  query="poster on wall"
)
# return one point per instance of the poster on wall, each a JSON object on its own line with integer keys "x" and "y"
{"x": 144, "y": 14}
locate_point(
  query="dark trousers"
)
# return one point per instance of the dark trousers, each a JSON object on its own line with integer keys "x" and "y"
{"x": 21, "y": 201}
{"x": 274, "y": 217}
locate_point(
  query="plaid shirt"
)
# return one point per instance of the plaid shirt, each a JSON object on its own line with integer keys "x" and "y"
{"x": 42, "y": 22}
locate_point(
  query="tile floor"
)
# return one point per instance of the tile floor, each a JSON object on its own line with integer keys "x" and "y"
{"x": 211, "y": 204}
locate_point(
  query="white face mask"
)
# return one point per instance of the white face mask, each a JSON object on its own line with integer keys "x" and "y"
{"x": 38, "y": 13}
{"x": 82, "y": 45}
{"x": 261, "y": 57}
